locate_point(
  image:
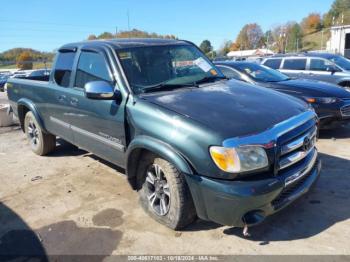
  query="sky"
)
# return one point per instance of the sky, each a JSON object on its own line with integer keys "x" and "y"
{"x": 47, "y": 24}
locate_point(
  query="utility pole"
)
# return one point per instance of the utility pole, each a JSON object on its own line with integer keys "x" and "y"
{"x": 297, "y": 45}
{"x": 322, "y": 39}
{"x": 128, "y": 20}
{"x": 116, "y": 31}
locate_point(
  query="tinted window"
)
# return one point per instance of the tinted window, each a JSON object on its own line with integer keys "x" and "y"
{"x": 273, "y": 63}
{"x": 319, "y": 65}
{"x": 230, "y": 73}
{"x": 91, "y": 67}
{"x": 63, "y": 68}
{"x": 294, "y": 64}
{"x": 261, "y": 73}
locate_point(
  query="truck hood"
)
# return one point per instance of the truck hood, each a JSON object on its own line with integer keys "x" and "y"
{"x": 311, "y": 88}
{"x": 231, "y": 108}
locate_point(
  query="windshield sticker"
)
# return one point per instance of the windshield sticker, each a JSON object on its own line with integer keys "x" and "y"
{"x": 202, "y": 64}
{"x": 183, "y": 63}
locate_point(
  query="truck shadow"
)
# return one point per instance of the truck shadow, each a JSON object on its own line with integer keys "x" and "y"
{"x": 338, "y": 133}
{"x": 61, "y": 241}
{"x": 63, "y": 148}
{"x": 17, "y": 239}
{"x": 325, "y": 205}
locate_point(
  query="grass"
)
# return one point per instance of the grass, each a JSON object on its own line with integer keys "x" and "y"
{"x": 313, "y": 41}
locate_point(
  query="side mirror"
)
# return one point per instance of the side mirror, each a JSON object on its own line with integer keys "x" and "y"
{"x": 100, "y": 90}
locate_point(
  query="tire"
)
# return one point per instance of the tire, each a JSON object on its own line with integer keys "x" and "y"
{"x": 173, "y": 191}
{"x": 41, "y": 143}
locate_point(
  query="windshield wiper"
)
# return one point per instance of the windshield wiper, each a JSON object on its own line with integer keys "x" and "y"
{"x": 165, "y": 86}
{"x": 210, "y": 79}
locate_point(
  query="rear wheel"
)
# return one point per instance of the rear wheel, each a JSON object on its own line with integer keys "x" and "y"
{"x": 40, "y": 142}
{"x": 165, "y": 195}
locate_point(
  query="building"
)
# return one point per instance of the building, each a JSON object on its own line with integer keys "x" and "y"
{"x": 339, "y": 41}
{"x": 255, "y": 53}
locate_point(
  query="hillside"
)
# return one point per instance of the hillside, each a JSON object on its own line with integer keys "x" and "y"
{"x": 313, "y": 41}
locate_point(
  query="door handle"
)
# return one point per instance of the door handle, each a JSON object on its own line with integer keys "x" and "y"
{"x": 74, "y": 101}
{"x": 62, "y": 98}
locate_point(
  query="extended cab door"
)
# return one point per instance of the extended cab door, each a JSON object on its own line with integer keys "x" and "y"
{"x": 97, "y": 125}
{"x": 57, "y": 104}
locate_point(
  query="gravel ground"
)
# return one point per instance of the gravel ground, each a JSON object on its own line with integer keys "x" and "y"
{"x": 72, "y": 202}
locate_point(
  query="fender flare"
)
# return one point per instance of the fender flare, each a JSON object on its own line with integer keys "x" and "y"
{"x": 24, "y": 102}
{"x": 158, "y": 147}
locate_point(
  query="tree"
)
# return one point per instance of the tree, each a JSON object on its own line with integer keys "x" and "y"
{"x": 225, "y": 48}
{"x": 106, "y": 35}
{"x": 206, "y": 47}
{"x": 279, "y": 34}
{"x": 338, "y": 14}
{"x": 294, "y": 37}
{"x": 250, "y": 36}
{"x": 25, "y": 61}
{"x": 92, "y": 37}
{"x": 311, "y": 23}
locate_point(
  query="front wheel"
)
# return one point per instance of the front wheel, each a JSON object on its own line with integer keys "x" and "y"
{"x": 165, "y": 195}
{"x": 40, "y": 142}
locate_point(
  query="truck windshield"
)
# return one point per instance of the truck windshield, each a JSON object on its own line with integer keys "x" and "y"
{"x": 261, "y": 73}
{"x": 170, "y": 65}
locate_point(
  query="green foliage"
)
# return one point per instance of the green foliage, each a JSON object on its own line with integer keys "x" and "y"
{"x": 106, "y": 35}
{"x": 12, "y": 55}
{"x": 340, "y": 10}
{"x": 250, "y": 37}
{"x": 294, "y": 41}
{"x": 206, "y": 47}
{"x": 135, "y": 33}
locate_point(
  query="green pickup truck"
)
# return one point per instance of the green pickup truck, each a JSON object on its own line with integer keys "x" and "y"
{"x": 193, "y": 143}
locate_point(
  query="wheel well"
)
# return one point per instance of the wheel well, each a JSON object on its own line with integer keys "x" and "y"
{"x": 132, "y": 165}
{"x": 345, "y": 83}
{"x": 22, "y": 111}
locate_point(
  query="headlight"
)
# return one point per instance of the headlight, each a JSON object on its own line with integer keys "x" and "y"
{"x": 240, "y": 159}
{"x": 321, "y": 100}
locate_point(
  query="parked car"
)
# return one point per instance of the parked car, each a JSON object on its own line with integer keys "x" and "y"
{"x": 331, "y": 102}
{"x": 39, "y": 75}
{"x": 3, "y": 80}
{"x": 339, "y": 60}
{"x": 310, "y": 67}
{"x": 192, "y": 143}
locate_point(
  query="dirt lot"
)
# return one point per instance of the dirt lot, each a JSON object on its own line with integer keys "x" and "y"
{"x": 71, "y": 202}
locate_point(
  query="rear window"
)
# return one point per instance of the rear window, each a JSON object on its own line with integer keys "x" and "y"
{"x": 273, "y": 63}
{"x": 294, "y": 64}
{"x": 63, "y": 68}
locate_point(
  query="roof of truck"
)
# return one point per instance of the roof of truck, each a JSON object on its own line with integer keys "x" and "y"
{"x": 127, "y": 42}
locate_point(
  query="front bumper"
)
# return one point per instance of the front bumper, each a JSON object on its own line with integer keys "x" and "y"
{"x": 331, "y": 116}
{"x": 236, "y": 203}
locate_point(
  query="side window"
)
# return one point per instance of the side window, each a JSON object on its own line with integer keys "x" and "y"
{"x": 63, "y": 68}
{"x": 91, "y": 67}
{"x": 273, "y": 63}
{"x": 294, "y": 64}
{"x": 320, "y": 65}
{"x": 230, "y": 73}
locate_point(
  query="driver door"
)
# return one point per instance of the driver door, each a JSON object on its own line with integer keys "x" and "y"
{"x": 97, "y": 125}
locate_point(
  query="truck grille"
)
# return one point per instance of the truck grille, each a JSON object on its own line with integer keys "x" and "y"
{"x": 300, "y": 144}
{"x": 345, "y": 110}
{"x": 289, "y": 191}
